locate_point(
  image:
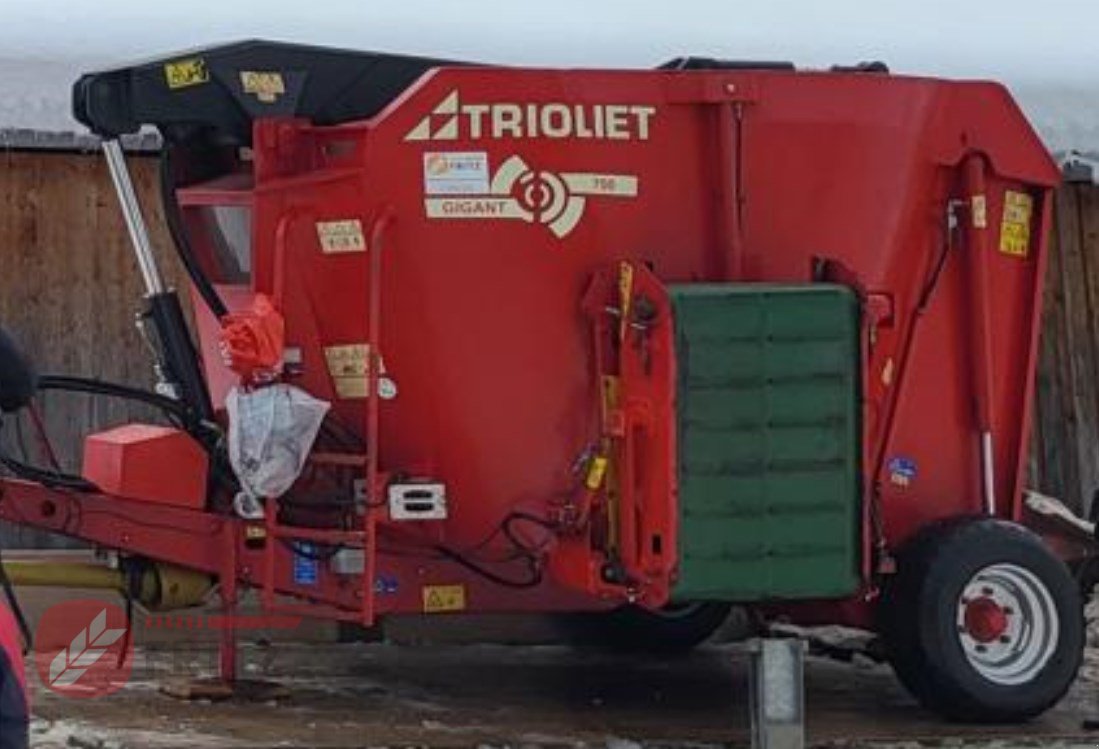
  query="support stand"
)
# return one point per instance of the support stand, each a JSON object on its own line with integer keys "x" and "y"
{"x": 777, "y": 694}
{"x": 227, "y": 646}
{"x": 226, "y": 685}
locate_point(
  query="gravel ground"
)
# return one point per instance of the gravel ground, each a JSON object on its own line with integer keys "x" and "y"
{"x": 451, "y": 696}
{"x": 530, "y": 696}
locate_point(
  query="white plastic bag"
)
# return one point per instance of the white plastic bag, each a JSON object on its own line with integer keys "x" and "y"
{"x": 271, "y": 431}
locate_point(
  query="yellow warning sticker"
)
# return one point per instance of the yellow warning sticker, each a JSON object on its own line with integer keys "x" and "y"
{"x": 266, "y": 86}
{"x": 610, "y": 390}
{"x": 1015, "y": 228}
{"x": 184, "y": 73}
{"x": 348, "y": 364}
{"x": 347, "y": 360}
{"x": 597, "y": 470}
{"x": 625, "y": 294}
{"x": 442, "y": 598}
{"x": 350, "y": 388}
{"x": 341, "y": 236}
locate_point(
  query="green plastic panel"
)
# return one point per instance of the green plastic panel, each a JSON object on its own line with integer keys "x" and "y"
{"x": 768, "y": 435}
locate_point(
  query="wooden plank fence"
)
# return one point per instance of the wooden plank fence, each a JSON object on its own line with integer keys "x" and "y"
{"x": 1065, "y": 449}
{"x": 70, "y": 289}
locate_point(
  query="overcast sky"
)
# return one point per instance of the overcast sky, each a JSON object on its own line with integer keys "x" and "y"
{"x": 1045, "y": 50}
{"x": 1016, "y": 39}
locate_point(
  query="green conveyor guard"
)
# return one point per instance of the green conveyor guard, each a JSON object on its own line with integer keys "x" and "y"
{"x": 768, "y": 436}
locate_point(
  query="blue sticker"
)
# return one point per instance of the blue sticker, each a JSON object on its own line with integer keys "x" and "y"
{"x": 385, "y": 585}
{"x": 305, "y": 564}
{"x": 902, "y": 471}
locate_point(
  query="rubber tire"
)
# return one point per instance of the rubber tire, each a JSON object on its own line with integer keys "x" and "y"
{"x": 631, "y": 629}
{"x": 918, "y": 621}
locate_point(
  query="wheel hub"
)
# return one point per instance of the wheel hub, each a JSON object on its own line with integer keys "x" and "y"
{"x": 1007, "y": 624}
{"x": 985, "y": 620}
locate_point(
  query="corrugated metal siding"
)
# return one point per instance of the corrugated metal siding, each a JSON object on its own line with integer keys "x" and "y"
{"x": 69, "y": 288}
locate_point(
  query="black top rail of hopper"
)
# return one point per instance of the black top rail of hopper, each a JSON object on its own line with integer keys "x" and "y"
{"x": 224, "y": 88}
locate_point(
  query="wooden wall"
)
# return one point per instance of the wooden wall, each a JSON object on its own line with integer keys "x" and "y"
{"x": 1065, "y": 449}
{"x": 69, "y": 288}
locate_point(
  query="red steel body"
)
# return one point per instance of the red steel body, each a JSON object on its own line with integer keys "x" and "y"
{"x": 462, "y": 245}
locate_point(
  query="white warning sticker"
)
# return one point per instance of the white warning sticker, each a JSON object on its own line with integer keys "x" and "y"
{"x": 456, "y": 173}
{"x": 341, "y": 236}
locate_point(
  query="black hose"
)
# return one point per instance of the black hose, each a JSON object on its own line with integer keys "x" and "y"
{"x": 52, "y": 479}
{"x": 205, "y": 433}
{"x": 174, "y": 219}
{"x": 533, "y": 581}
{"x": 102, "y": 387}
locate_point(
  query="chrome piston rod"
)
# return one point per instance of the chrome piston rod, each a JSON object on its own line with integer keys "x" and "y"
{"x": 135, "y": 221}
{"x": 988, "y": 474}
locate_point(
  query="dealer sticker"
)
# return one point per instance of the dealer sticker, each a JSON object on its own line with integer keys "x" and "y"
{"x": 456, "y": 173}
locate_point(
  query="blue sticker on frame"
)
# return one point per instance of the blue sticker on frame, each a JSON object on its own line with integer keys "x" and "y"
{"x": 902, "y": 471}
{"x": 305, "y": 564}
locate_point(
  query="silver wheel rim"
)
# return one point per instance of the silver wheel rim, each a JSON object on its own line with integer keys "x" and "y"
{"x": 1026, "y": 635}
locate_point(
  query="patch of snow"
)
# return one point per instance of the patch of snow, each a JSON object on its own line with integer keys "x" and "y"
{"x": 72, "y": 734}
{"x": 615, "y": 742}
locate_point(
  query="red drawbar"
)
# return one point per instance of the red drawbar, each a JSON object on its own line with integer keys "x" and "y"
{"x": 149, "y": 463}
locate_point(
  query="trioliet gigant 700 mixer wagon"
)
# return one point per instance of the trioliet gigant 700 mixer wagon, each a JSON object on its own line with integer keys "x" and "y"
{"x": 638, "y": 343}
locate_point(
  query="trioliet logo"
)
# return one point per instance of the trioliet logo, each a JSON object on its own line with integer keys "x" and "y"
{"x": 460, "y": 185}
{"x": 451, "y": 119}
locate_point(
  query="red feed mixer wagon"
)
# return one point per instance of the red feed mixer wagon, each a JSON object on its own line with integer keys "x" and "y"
{"x": 628, "y": 345}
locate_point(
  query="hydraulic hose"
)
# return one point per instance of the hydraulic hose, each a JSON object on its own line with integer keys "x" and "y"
{"x": 178, "y": 232}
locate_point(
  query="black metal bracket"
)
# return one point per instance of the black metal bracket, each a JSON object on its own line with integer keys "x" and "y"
{"x": 224, "y": 88}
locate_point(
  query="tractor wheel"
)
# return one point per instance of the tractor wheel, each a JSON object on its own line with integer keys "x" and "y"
{"x": 982, "y": 623}
{"x": 676, "y": 629}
